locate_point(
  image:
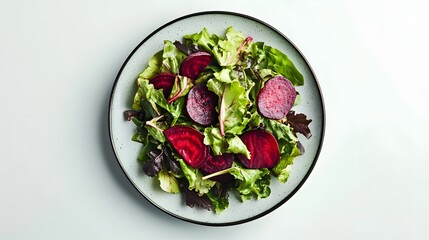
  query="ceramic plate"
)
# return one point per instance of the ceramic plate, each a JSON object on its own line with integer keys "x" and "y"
{"x": 127, "y": 151}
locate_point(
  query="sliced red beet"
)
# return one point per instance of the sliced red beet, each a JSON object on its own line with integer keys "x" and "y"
{"x": 164, "y": 81}
{"x": 189, "y": 143}
{"x": 201, "y": 105}
{"x": 194, "y": 64}
{"x": 218, "y": 163}
{"x": 263, "y": 148}
{"x": 276, "y": 98}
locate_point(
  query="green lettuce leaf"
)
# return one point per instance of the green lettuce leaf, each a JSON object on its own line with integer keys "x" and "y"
{"x": 227, "y": 51}
{"x": 221, "y": 144}
{"x": 234, "y": 108}
{"x": 233, "y": 105}
{"x": 168, "y": 182}
{"x": 235, "y": 145}
{"x": 282, "y": 169}
{"x": 155, "y": 97}
{"x": 156, "y": 128}
{"x": 218, "y": 196}
{"x": 172, "y": 57}
{"x": 181, "y": 87}
{"x": 288, "y": 147}
{"x": 194, "y": 177}
{"x": 214, "y": 139}
{"x": 267, "y": 57}
{"x": 154, "y": 66}
{"x": 203, "y": 39}
{"x": 251, "y": 182}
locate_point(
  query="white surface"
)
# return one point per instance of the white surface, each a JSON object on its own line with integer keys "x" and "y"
{"x": 58, "y": 175}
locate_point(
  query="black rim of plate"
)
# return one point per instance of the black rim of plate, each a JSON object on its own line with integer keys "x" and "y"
{"x": 322, "y": 124}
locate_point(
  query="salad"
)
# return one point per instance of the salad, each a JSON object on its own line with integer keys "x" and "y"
{"x": 215, "y": 118}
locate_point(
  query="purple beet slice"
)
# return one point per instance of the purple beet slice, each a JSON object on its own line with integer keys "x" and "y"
{"x": 164, "y": 81}
{"x": 276, "y": 98}
{"x": 218, "y": 163}
{"x": 194, "y": 64}
{"x": 189, "y": 143}
{"x": 263, "y": 148}
{"x": 201, "y": 105}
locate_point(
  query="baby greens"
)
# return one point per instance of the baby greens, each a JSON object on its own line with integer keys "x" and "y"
{"x": 238, "y": 70}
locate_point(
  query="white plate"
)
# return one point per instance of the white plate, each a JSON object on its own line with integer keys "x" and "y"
{"x": 121, "y": 131}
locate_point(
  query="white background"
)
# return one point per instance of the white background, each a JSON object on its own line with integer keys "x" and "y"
{"x": 59, "y": 178}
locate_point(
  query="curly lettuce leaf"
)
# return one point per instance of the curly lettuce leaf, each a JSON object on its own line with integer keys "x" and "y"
{"x": 214, "y": 139}
{"x": 235, "y": 145}
{"x": 282, "y": 169}
{"x": 194, "y": 177}
{"x": 221, "y": 144}
{"x": 172, "y": 57}
{"x": 227, "y": 51}
{"x": 156, "y": 99}
{"x": 233, "y": 105}
{"x": 251, "y": 182}
{"x": 218, "y": 196}
{"x": 203, "y": 39}
{"x": 288, "y": 147}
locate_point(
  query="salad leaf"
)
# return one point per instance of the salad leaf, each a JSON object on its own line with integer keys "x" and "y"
{"x": 288, "y": 147}
{"x": 220, "y": 144}
{"x": 203, "y": 39}
{"x": 181, "y": 87}
{"x": 299, "y": 123}
{"x": 282, "y": 169}
{"x": 154, "y": 164}
{"x": 234, "y": 108}
{"x": 154, "y": 66}
{"x": 280, "y": 63}
{"x": 223, "y": 75}
{"x": 171, "y": 58}
{"x": 155, "y": 98}
{"x": 214, "y": 139}
{"x": 194, "y": 177}
{"x": 218, "y": 196}
{"x": 280, "y": 130}
{"x": 267, "y": 57}
{"x": 168, "y": 182}
{"x": 155, "y": 128}
{"x": 226, "y": 51}
{"x": 252, "y": 182}
{"x": 235, "y": 145}
{"x": 192, "y": 198}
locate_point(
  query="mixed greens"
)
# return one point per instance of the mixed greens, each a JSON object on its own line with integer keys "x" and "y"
{"x": 214, "y": 117}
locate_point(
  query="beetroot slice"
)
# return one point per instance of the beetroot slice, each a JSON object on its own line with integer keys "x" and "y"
{"x": 201, "y": 105}
{"x": 276, "y": 98}
{"x": 263, "y": 148}
{"x": 194, "y": 64}
{"x": 164, "y": 81}
{"x": 189, "y": 143}
{"x": 218, "y": 163}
